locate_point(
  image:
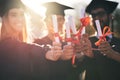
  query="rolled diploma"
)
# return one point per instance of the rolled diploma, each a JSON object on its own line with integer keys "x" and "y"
{"x": 98, "y": 28}
{"x": 68, "y": 35}
{"x": 72, "y": 24}
{"x": 83, "y": 29}
{"x": 55, "y": 25}
{"x": 82, "y": 15}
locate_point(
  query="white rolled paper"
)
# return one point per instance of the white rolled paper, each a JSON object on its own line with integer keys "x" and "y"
{"x": 72, "y": 24}
{"x": 67, "y": 25}
{"x": 55, "y": 26}
{"x": 98, "y": 28}
{"x": 82, "y": 15}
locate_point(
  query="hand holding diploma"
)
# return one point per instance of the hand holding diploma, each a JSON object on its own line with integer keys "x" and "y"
{"x": 102, "y": 35}
{"x": 55, "y": 53}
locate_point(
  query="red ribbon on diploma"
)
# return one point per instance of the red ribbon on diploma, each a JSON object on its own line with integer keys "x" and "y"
{"x": 69, "y": 39}
{"x": 56, "y": 35}
{"x": 106, "y": 32}
{"x": 85, "y": 22}
{"x": 73, "y": 59}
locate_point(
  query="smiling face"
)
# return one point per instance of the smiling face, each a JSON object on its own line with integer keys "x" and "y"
{"x": 16, "y": 19}
{"x": 14, "y": 24}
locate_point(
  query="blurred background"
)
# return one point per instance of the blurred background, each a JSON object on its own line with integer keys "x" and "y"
{"x": 37, "y": 28}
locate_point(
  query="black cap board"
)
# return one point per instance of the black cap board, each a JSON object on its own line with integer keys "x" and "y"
{"x": 109, "y": 6}
{"x": 5, "y": 5}
{"x": 55, "y": 8}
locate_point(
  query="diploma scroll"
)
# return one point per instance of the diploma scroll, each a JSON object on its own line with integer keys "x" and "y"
{"x": 82, "y": 15}
{"x": 68, "y": 34}
{"x": 98, "y": 28}
{"x": 55, "y": 25}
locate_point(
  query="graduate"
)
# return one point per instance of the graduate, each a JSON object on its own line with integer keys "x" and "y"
{"x": 105, "y": 64}
{"x": 18, "y": 59}
{"x": 63, "y": 69}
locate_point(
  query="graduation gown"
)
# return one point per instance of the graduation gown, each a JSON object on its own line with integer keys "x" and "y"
{"x": 61, "y": 69}
{"x": 22, "y": 61}
{"x": 101, "y": 67}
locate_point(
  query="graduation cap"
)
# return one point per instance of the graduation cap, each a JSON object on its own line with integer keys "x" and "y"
{"x": 109, "y": 6}
{"x": 6, "y": 5}
{"x": 55, "y": 8}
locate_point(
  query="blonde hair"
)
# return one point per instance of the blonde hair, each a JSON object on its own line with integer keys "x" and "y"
{"x": 8, "y": 32}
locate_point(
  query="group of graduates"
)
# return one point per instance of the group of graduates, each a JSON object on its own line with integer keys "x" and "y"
{"x": 46, "y": 59}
